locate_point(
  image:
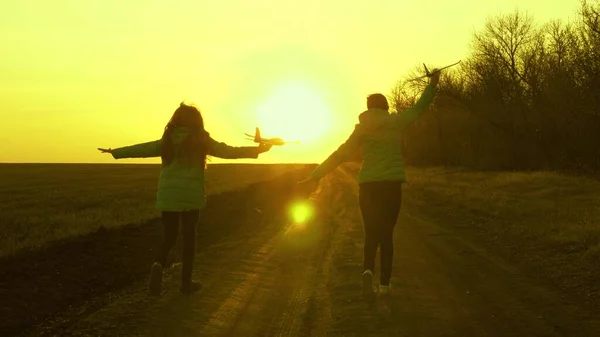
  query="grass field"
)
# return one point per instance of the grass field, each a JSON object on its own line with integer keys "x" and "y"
{"x": 546, "y": 222}
{"x": 42, "y": 203}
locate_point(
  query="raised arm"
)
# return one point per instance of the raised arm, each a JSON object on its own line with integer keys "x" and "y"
{"x": 222, "y": 150}
{"x": 408, "y": 116}
{"x": 342, "y": 154}
{"x": 143, "y": 150}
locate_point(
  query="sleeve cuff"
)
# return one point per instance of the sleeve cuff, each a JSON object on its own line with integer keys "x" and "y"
{"x": 117, "y": 153}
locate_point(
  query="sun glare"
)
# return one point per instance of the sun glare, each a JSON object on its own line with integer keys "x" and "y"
{"x": 294, "y": 111}
{"x": 301, "y": 212}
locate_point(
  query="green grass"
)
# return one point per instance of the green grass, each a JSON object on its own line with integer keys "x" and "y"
{"x": 556, "y": 208}
{"x": 41, "y": 203}
{"x": 548, "y": 222}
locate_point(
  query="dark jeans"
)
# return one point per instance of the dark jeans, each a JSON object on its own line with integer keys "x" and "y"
{"x": 380, "y": 205}
{"x": 171, "y": 221}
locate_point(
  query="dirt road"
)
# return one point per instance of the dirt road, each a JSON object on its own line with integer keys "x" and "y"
{"x": 281, "y": 279}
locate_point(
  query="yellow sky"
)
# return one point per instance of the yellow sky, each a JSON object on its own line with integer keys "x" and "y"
{"x": 76, "y": 75}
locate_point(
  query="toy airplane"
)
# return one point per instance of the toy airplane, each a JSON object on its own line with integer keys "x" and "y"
{"x": 273, "y": 141}
{"x": 428, "y": 74}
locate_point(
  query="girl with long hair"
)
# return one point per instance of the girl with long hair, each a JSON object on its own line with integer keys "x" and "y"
{"x": 183, "y": 148}
{"x": 378, "y": 136}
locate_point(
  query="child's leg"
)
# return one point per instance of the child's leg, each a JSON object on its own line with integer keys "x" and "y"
{"x": 369, "y": 213}
{"x": 391, "y": 198}
{"x": 387, "y": 253}
{"x": 189, "y": 220}
{"x": 171, "y": 228}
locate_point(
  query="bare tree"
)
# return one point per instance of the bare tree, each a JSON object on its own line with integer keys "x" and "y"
{"x": 526, "y": 97}
{"x": 502, "y": 41}
{"x": 590, "y": 54}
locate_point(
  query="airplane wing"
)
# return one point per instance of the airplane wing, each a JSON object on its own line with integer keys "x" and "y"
{"x": 273, "y": 141}
{"x": 428, "y": 74}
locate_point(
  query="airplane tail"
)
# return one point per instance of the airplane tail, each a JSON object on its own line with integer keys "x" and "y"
{"x": 257, "y": 137}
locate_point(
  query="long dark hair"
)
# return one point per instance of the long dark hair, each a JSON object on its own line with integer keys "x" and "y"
{"x": 193, "y": 149}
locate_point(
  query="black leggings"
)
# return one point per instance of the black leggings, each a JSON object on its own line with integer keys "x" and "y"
{"x": 380, "y": 205}
{"x": 171, "y": 221}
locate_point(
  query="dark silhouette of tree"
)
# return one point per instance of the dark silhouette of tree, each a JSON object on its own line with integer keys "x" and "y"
{"x": 526, "y": 97}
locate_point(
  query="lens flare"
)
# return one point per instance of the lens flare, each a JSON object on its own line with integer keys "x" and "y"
{"x": 301, "y": 212}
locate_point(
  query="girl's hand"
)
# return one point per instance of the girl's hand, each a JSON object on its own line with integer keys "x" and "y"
{"x": 262, "y": 147}
{"x": 434, "y": 78}
{"x": 109, "y": 150}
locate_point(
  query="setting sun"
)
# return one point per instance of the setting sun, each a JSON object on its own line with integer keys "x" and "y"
{"x": 294, "y": 112}
{"x": 293, "y": 69}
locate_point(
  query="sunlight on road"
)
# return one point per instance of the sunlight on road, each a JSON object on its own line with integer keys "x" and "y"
{"x": 301, "y": 212}
{"x": 301, "y": 232}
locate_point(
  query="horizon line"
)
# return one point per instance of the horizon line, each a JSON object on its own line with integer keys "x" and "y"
{"x": 88, "y": 163}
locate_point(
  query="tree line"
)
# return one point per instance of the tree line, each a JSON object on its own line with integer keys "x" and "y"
{"x": 526, "y": 97}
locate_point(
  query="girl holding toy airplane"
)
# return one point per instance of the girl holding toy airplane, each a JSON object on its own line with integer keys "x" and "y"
{"x": 380, "y": 179}
{"x": 183, "y": 148}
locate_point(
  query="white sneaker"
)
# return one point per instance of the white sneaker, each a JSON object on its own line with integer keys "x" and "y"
{"x": 385, "y": 290}
{"x": 367, "y": 282}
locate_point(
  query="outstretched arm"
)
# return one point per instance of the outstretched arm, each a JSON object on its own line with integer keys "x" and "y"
{"x": 342, "y": 154}
{"x": 222, "y": 150}
{"x": 408, "y": 116}
{"x": 143, "y": 150}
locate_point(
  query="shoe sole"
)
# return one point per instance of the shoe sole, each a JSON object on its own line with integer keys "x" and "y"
{"x": 367, "y": 284}
{"x": 155, "y": 280}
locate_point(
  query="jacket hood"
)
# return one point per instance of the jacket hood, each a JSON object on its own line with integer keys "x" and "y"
{"x": 373, "y": 119}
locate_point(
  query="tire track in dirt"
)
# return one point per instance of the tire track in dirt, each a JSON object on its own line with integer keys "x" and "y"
{"x": 278, "y": 307}
{"x": 224, "y": 320}
{"x": 295, "y": 318}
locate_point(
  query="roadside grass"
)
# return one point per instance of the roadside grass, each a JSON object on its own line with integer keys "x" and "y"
{"x": 548, "y": 222}
{"x": 43, "y": 203}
